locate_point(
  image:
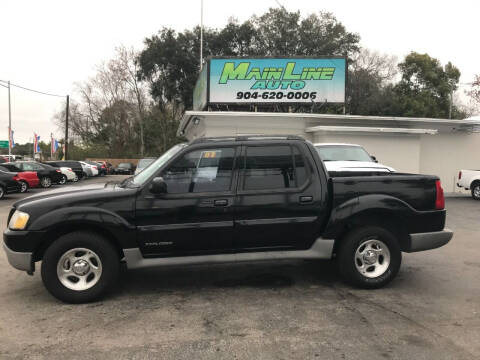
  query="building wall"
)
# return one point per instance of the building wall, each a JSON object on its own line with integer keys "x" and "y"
{"x": 447, "y": 153}
{"x": 401, "y": 152}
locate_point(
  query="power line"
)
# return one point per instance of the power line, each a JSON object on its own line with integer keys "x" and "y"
{"x": 35, "y": 91}
{"x": 4, "y": 86}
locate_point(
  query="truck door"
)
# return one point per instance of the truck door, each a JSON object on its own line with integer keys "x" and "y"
{"x": 278, "y": 203}
{"x": 196, "y": 214}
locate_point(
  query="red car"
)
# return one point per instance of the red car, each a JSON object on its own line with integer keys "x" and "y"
{"x": 27, "y": 179}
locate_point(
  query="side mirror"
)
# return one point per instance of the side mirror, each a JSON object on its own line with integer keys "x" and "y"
{"x": 374, "y": 158}
{"x": 158, "y": 186}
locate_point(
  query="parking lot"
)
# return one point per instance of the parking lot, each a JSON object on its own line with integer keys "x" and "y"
{"x": 283, "y": 310}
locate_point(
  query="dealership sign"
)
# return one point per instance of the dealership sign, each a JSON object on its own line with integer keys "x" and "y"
{"x": 271, "y": 80}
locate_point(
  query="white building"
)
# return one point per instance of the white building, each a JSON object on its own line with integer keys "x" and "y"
{"x": 415, "y": 145}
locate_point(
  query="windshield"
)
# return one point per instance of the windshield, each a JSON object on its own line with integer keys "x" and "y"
{"x": 144, "y": 163}
{"x": 156, "y": 164}
{"x": 124, "y": 165}
{"x": 343, "y": 153}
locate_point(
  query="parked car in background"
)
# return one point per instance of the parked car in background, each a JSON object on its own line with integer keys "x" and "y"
{"x": 349, "y": 157}
{"x": 125, "y": 169}
{"x": 27, "y": 179}
{"x": 72, "y": 164}
{"x": 67, "y": 174}
{"x": 89, "y": 169}
{"x": 470, "y": 180}
{"x": 95, "y": 166}
{"x": 47, "y": 174}
{"x": 143, "y": 163}
{"x": 103, "y": 168}
{"x": 9, "y": 183}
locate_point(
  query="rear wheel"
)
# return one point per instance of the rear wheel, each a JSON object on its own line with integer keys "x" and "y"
{"x": 369, "y": 257}
{"x": 45, "y": 182}
{"x": 75, "y": 179}
{"x": 80, "y": 267}
{"x": 23, "y": 186}
{"x": 475, "y": 190}
{"x": 63, "y": 180}
{"x": 2, "y": 192}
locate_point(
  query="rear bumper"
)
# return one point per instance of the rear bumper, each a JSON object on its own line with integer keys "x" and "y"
{"x": 429, "y": 240}
{"x": 20, "y": 260}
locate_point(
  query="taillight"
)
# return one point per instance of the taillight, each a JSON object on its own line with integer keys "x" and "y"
{"x": 58, "y": 170}
{"x": 94, "y": 167}
{"x": 103, "y": 166}
{"x": 440, "y": 198}
{"x": 459, "y": 175}
{"x": 69, "y": 169}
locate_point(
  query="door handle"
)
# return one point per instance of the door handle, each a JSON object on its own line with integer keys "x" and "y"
{"x": 220, "y": 202}
{"x": 306, "y": 199}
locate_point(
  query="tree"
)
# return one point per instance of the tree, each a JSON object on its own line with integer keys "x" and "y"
{"x": 370, "y": 73}
{"x": 169, "y": 61}
{"x": 474, "y": 92}
{"x": 425, "y": 88}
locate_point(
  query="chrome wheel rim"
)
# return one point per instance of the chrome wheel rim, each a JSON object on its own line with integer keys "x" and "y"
{"x": 2, "y": 192}
{"x": 24, "y": 187}
{"x": 64, "y": 180}
{"x": 75, "y": 179}
{"x": 46, "y": 182}
{"x": 372, "y": 258}
{"x": 79, "y": 269}
{"x": 476, "y": 191}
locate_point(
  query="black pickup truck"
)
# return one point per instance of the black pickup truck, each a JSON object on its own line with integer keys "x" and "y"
{"x": 221, "y": 200}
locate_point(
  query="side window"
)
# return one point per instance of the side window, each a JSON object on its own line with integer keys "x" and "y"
{"x": 27, "y": 167}
{"x": 205, "y": 170}
{"x": 269, "y": 167}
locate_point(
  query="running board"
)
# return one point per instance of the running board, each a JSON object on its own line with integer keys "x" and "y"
{"x": 321, "y": 249}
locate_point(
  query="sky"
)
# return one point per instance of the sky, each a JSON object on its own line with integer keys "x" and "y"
{"x": 50, "y": 45}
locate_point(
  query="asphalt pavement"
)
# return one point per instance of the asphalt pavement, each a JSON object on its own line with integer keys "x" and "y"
{"x": 262, "y": 310}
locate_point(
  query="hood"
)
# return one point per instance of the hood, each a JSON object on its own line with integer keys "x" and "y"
{"x": 70, "y": 194}
{"x": 356, "y": 166}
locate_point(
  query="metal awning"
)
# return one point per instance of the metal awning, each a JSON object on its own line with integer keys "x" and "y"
{"x": 366, "y": 129}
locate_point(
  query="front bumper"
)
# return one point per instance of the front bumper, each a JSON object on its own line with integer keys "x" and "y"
{"x": 429, "y": 240}
{"x": 20, "y": 260}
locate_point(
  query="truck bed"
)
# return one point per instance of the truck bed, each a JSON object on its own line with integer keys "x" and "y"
{"x": 418, "y": 191}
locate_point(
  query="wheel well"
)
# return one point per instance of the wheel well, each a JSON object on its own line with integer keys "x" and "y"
{"x": 383, "y": 219}
{"x": 55, "y": 233}
{"x": 474, "y": 182}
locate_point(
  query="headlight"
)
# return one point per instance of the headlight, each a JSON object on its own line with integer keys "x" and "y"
{"x": 18, "y": 221}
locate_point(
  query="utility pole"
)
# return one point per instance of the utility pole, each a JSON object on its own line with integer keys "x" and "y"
{"x": 450, "y": 103}
{"x": 201, "y": 35}
{"x": 9, "y": 124}
{"x": 66, "y": 128}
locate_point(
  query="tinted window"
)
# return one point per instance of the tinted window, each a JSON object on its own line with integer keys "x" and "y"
{"x": 343, "y": 153}
{"x": 205, "y": 170}
{"x": 269, "y": 167}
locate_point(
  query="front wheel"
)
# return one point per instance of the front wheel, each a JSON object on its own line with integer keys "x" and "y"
{"x": 23, "y": 186}
{"x": 476, "y": 191}
{"x": 45, "y": 182}
{"x": 80, "y": 267}
{"x": 63, "y": 180}
{"x": 75, "y": 179}
{"x": 369, "y": 257}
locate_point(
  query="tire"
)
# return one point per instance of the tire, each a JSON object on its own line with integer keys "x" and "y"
{"x": 63, "y": 180}
{"x": 362, "y": 246}
{"x": 100, "y": 273}
{"x": 2, "y": 192}
{"x": 23, "y": 186}
{"x": 475, "y": 188}
{"x": 75, "y": 179}
{"x": 45, "y": 182}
